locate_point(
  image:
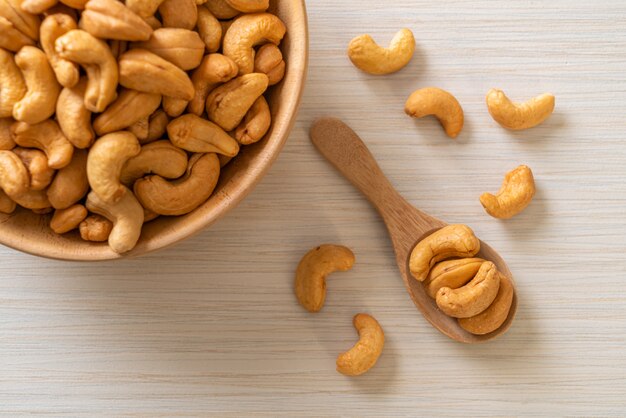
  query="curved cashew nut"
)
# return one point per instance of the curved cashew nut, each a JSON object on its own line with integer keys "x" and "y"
{"x": 494, "y": 316}
{"x": 33, "y": 199}
{"x": 65, "y": 220}
{"x": 157, "y": 126}
{"x": 368, "y": 56}
{"x": 248, "y": 31}
{"x": 129, "y": 107}
{"x": 181, "y": 196}
{"x": 23, "y": 21}
{"x": 36, "y": 163}
{"x": 269, "y": 61}
{"x": 52, "y": 28}
{"x": 111, "y": 19}
{"x": 228, "y": 104}
{"x": 474, "y": 297}
{"x": 13, "y": 174}
{"x": 221, "y": 9}
{"x": 179, "y": 13}
{"x": 46, "y": 136}
{"x": 6, "y": 138}
{"x": 213, "y": 70}
{"x": 256, "y": 123}
{"x": 144, "y": 8}
{"x": 439, "y": 103}
{"x": 144, "y": 71}
{"x": 452, "y": 274}
{"x": 174, "y": 107}
{"x": 106, "y": 158}
{"x": 7, "y": 205}
{"x": 42, "y": 88}
{"x": 448, "y": 242}
{"x": 37, "y": 6}
{"x": 12, "y": 39}
{"x": 182, "y": 47}
{"x": 516, "y": 193}
{"x": 73, "y": 117}
{"x": 127, "y": 218}
{"x": 310, "y": 283}
{"x": 210, "y": 29}
{"x": 12, "y": 86}
{"x": 365, "y": 353}
{"x": 95, "y": 228}
{"x": 249, "y": 6}
{"x": 96, "y": 58}
{"x": 194, "y": 134}
{"x": 160, "y": 158}
{"x": 70, "y": 183}
{"x": 518, "y": 116}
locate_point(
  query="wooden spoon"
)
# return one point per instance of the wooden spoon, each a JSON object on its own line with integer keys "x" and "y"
{"x": 406, "y": 224}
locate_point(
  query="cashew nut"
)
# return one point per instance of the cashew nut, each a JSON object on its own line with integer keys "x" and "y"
{"x": 439, "y": 103}
{"x": 256, "y": 123}
{"x": 106, "y": 158}
{"x": 129, "y": 107}
{"x": 365, "y": 353}
{"x": 46, "y": 136}
{"x": 157, "y": 126}
{"x": 249, "y": 6}
{"x": 13, "y": 174}
{"x": 160, "y": 158}
{"x": 181, "y": 196}
{"x": 179, "y": 13}
{"x": 127, "y": 218}
{"x": 65, "y": 220}
{"x": 144, "y": 8}
{"x": 111, "y": 19}
{"x": 228, "y": 104}
{"x": 448, "y": 242}
{"x": 70, "y": 184}
{"x": 23, "y": 21}
{"x": 144, "y": 71}
{"x": 452, "y": 274}
{"x": 474, "y": 297}
{"x": 248, "y": 31}
{"x": 12, "y": 86}
{"x": 75, "y": 4}
{"x": 210, "y": 29}
{"x": 36, "y": 163}
{"x": 194, "y": 134}
{"x": 221, "y": 9}
{"x": 12, "y": 39}
{"x": 213, "y": 70}
{"x": 7, "y": 205}
{"x": 174, "y": 107}
{"x": 516, "y": 193}
{"x": 368, "y": 56}
{"x": 183, "y": 48}
{"x": 310, "y": 284}
{"x": 518, "y": 116}
{"x": 52, "y": 28}
{"x": 42, "y": 88}
{"x": 73, "y": 117}
{"x": 494, "y": 316}
{"x": 33, "y": 199}
{"x": 269, "y": 61}
{"x": 95, "y": 228}
{"x": 140, "y": 129}
{"x": 61, "y": 8}
{"x": 95, "y": 57}
{"x": 37, "y": 6}
{"x": 6, "y": 138}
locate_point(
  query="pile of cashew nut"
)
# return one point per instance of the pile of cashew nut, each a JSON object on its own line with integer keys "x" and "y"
{"x": 114, "y": 113}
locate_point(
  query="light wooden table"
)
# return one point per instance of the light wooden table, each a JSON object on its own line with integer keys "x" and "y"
{"x": 210, "y": 327}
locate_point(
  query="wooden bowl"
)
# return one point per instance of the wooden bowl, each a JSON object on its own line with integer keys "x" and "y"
{"x": 30, "y": 233}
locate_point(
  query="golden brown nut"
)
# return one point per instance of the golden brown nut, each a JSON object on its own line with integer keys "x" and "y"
{"x": 368, "y": 56}
{"x": 65, "y": 220}
{"x": 111, "y": 19}
{"x": 269, "y": 61}
{"x": 13, "y": 174}
{"x": 518, "y": 116}
{"x": 12, "y": 39}
{"x": 516, "y": 193}
{"x": 53, "y": 27}
{"x": 144, "y": 8}
{"x": 439, "y": 103}
{"x": 194, "y": 134}
{"x": 95, "y": 228}
{"x": 46, "y": 136}
{"x": 365, "y": 353}
{"x": 70, "y": 183}
{"x": 36, "y": 7}
{"x": 256, "y": 123}
{"x": 33, "y": 199}
{"x": 179, "y": 14}
{"x": 6, "y": 139}
{"x": 494, "y": 316}
{"x": 129, "y": 107}
{"x": 183, "y": 48}
{"x": 36, "y": 163}
{"x": 75, "y": 4}
{"x": 209, "y": 29}
{"x": 141, "y": 129}
{"x": 157, "y": 126}
{"x": 174, "y": 107}
{"x": 213, "y": 70}
{"x": 452, "y": 274}
{"x": 221, "y": 9}
{"x": 160, "y": 158}
{"x": 12, "y": 86}
{"x": 73, "y": 117}
{"x": 25, "y": 22}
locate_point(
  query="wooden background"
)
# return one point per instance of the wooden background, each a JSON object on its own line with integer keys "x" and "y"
{"x": 211, "y": 328}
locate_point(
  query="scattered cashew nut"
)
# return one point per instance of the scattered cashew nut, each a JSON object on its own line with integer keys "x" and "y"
{"x": 494, "y": 316}
{"x": 368, "y": 56}
{"x": 194, "y": 134}
{"x": 452, "y": 274}
{"x": 518, "y": 116}
{"x": 516, "y": 193}
{"x": 46, "y": 136}
{"x": 65, "y": 220}
{"x": 439, "y": 103}
{"x": 160, "y": 158}
{"x": 365, "y": 353}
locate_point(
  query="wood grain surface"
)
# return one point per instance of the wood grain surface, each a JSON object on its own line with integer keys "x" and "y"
{"x": 210, "y": 327}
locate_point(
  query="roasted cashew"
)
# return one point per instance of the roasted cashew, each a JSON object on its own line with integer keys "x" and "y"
{"x": 228, "y": 104}
{"x": 494, "y": 316}
{"x": 194, "y": 134}
{"x": 368, "y": 56}
{"x": 46, "y": 136}
{"x": 210, "y": 29}
{"x": 140, "y": 129}
{"x": 12, "y": 86}
{"x": 448, "y": 242}
{"x": 221, "y": 9}
{"x": 174, "y": 107}
{"x": 439, "y": 103}
{"x": 33, "y": 199}
{"x": 213, "y": 70}
{"x": 52, "y": 28}
{"x": 452, "y": 274}
{"x": 183, "y": 48}
{"x": 365, "y": 353}
{"x": 269, "y": 61}
{"x": 12, "y": 39}
{"x": 248, "y": 31}
{"x": 111, "y": 19}
{"x": 42, "y": 88}
{"x": 160, "y": 158}
{"x": 106, "y": 158}
{"x": 256, "y": 123}
{"x": 157, "y": 126}
{"x": 516, "y": 193}
{"x": 181, "y": 196}
{"x": 36, "y": 7}
{"x": 75, "y": 4}
{"x": 65, "y": 220}
{"x": 13, "y": 174}
{"x": 95, "y": 56}
{"x": 129, "y": 107}
{"x": 6, "y": 138}
{"x": 127, "y": 218}
{"x": 36, "y": 163}
{"x": 310, "y": 283}
{"x": 73, "y": 117}
{"x": 474, "y": 297}
{"x": 7, "y": 205}
{"x": 144, "y": 71}
{"x": 95, "y": 228}
{"x": 144, "y": 8}
{"x": 179, "y": 14}
{"x": 70, "y": 183}
{"x": 26, "y": 23}
{"x": 249, "y": 6}
{"x": 518, "y": 116}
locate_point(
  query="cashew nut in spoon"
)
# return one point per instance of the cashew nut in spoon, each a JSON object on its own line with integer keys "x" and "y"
{"x": 368, "y": 56}
{"x": 73, "y": 117}
{"x": 439, "y": 103}
{"x": 36, "y": 163}
{"x": 214, "y": 70}
{"x": 160, "y": 158}
{"x": 111, "y": 19}
{"x": 46, "y": 136}
{"x": 195, "y": 134}
{"x": 365, "y": 353}
{"x": 452, "y": 274}
{"x": 518, "y": 116}
{"x": 12, "y": 86}
{"x": 494, "y": 316}
{"x": 129, "y": 107}
{"x": 70, "y": 183}
{"x": 516, "y": 193}
{"x": 52, "y": 27}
